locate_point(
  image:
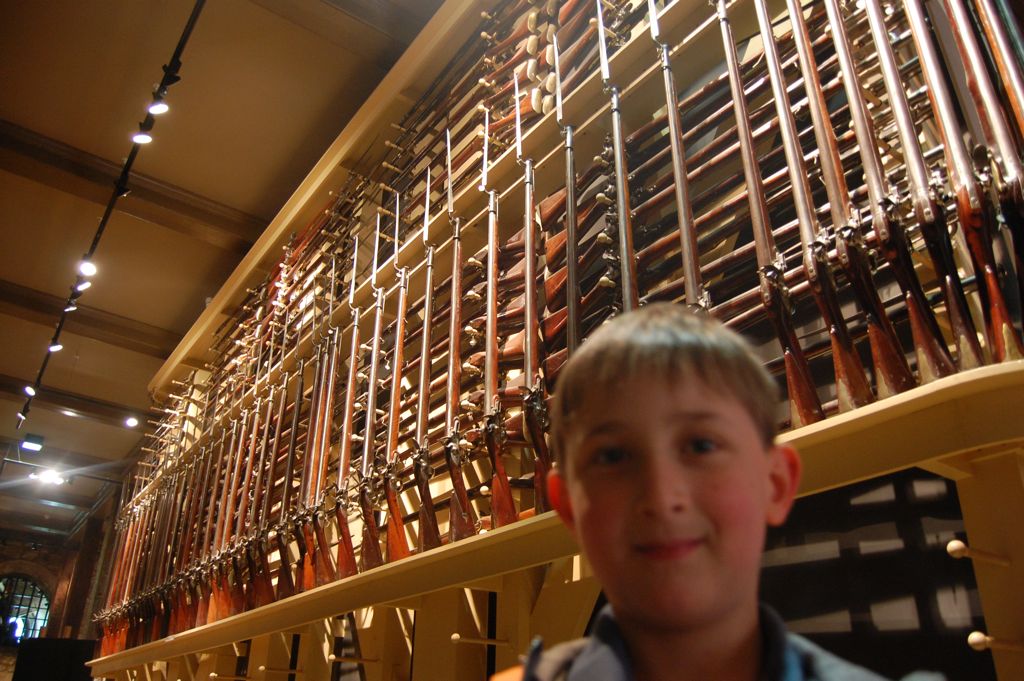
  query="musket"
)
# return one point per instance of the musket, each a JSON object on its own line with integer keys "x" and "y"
{"x": 1008, "y": 65}
{"x": 203, "y": 575}
{"x": 929, "y": 213}
{"x": 397, "y": 543}
{"x": 696, "y": 296}
{"x": 429, "y": 534}
{"x": 852, "y": 388}
{"x": 260, "y": 589}
{"x": 461, "y": 519}
{"x": 178, "y": 547}
{"x": 346, "y": 560}
{"x": 229, "y": 598}
{"x": 1002, "y": 147}
{"x": 503, "y": 509}
{"x": 285, "y": 582}
{"x": 975, "y": 214}
{"x": 535, "y": 419}
{"x": 892, "y": 373}
{"x": 370, "y": 548}
{"x": 259, "y": 544}
{"x": 627, "y": 259}
{"x": 319, "y": 566}
{"x": 804, "y": 405}
{"x": 933, "y": 358}
{"x": 242, "y": 596}
{"x": 571, "y": 235}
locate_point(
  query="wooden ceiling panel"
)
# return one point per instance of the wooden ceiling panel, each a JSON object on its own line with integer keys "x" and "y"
{"x": 67, "y": 433}
{"x": 147, "y": 272}
{"x": 82, "y": 72}
{"x": 85, "y": 366}
{"x": 283, "y": 94}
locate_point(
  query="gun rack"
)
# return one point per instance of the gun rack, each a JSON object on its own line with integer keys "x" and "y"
{"x": 441, "y": 611}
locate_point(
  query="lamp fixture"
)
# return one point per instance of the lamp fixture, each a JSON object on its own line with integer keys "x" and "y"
{"x": 131, "y": 422}
{"x": 30, "y": 390}
{"x": 21, "y": 415}
{"x": 32, "y": 442}
{"x": 48, "y": 476}
{"x": 86, "y": 268}
{"x": 143, "y": 136}
{"x": 56, "y": 347}
{"x": 159, "y": 106}
{"x": 70, "y": 307}
{"x": 82, "y": 286}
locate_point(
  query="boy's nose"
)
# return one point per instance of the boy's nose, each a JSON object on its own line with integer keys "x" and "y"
{"x": 664, "y": 490}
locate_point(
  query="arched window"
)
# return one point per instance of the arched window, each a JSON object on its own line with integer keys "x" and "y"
{"x": 24, "y": 609}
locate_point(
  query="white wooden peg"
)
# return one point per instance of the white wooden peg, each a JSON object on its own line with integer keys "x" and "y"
{"x": 459, "y": 638}
{"x": 958, "y": 549}
{"x": 980, "y": 641}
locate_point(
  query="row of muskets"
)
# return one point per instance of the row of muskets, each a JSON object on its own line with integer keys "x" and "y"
{"x": 848, "y": 195}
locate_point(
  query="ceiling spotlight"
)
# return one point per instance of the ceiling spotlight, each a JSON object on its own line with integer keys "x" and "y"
{"x": 86, "y": 268}
{"x": 71, "y": 307}
{"x": 142, "y": 137}
{"x": 83, "y": 285}
{"x": 32, "y": 443}
{"x": 21, "y": 416}
{"x": 68, "y": 412}
{"x": 159, "y": 106}
{"x": 30, "y": 390}
{"x": 56, "y": 347}
{"x": 131, "y": 422}
{"x": 48, "y": 476}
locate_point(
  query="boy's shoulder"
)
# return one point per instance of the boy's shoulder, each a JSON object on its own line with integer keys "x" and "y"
{"x": 819, "y": 664}
{"x": 602, "y": 657}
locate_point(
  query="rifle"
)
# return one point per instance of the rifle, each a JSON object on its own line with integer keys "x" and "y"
{"x": 429, "y": 534}
{"x": 571, "y": 236}
{"x": 202, "y": 571}
{"x": 627, "y": 259}
{"x": 1002, "y": 147}
{"x": 696, "y": 296}
{"x": 535, "y": 419}
{"x": 976, "y": 216}
{"x": 461, "y": 520}
{"x": 261, "y": 590}
{"x": 928, "y": 211}
{"x": 852, "y": 388}
{"x": 933, "y": 358}
{"x": 892, "y": 373}
{"x": 346, "y": 554}
{"x": 397, "y": 544}
{"x": 286, "y": 585}
{"x": 1001, "y": 41}
{"x": 503, "y": 510}
{"x": 803, "y": 400}
{"x": 370, "y": 548}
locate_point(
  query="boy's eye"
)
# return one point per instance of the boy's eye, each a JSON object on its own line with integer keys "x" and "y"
{"x": 702, "y": 445}
{"x": 607, "y": 456}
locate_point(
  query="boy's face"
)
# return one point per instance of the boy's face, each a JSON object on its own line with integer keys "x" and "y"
{"x": 669, "y": 489}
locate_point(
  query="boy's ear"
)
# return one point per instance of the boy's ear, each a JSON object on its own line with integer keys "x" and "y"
{"x": 783, "y": 479}
{"x": 558, "y": 495}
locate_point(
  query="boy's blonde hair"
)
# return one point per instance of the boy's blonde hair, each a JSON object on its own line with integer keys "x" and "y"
{"x": 668, "y": 341}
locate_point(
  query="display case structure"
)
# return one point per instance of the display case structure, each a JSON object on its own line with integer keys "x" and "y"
{"x": 349, "y": 476}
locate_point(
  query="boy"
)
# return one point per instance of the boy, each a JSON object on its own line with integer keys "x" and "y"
{"x": 663, "y": 427}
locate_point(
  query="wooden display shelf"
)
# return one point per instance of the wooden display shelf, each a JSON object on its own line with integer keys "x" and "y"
{"x": 951, "y": 426}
